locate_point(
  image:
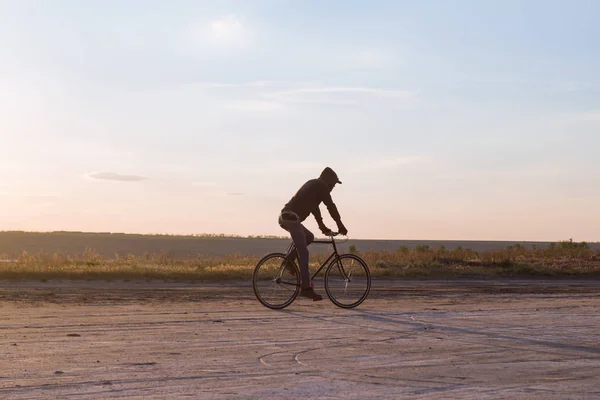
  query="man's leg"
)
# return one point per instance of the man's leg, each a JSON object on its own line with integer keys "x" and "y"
{"x": 301, "y": 238}
{"x": 309, "y": 237}
{"x": 305, "y": 257}
{"x": 297, "y": 231}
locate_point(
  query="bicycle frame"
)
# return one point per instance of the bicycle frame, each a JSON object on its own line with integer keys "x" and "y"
{"x": 292, "y": 247}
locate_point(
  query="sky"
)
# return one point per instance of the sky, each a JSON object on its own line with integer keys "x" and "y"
{"x": 457, "y": 120}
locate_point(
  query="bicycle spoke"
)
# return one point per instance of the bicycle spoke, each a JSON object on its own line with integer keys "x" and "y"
{"x": 347, "y": 281}
{"x": 275, "y": 282}
{"x": 347, "y": 274}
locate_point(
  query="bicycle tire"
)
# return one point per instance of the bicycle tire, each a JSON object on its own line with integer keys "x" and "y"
{"x": 333, "y": 280}
{"x": 271, "y": 271}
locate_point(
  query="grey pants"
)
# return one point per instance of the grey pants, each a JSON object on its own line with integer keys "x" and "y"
{"x": 301, "y": 237}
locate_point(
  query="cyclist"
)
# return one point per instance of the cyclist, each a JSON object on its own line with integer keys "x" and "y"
{"x": 305, "y": 202}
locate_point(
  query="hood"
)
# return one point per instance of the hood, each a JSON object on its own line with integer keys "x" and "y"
{"x": 329, "y": 176}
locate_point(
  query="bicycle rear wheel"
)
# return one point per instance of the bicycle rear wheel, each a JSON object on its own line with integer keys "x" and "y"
{"x": 276, "y": 281}
{"x": 347, "y": 281}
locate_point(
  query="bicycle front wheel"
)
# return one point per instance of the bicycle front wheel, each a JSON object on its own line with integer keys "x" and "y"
{"x": 347, "y": 281}
{"x": 276, "y": 281}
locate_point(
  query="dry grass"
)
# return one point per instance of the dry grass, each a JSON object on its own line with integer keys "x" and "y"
{"x": 563, "y": 259}
{"x": 91, "y": 265}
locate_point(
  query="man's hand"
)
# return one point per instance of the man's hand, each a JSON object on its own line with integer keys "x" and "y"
{"x": 342, "y": 229}
{"x": 325, "y": 230}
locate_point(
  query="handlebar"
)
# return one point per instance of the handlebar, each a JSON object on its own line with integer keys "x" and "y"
{"x": 331, "y": 236}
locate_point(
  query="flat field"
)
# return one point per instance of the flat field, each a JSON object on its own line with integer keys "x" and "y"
{"x": 469, "y": 339}
{"x": 184, "y": 247}
{"x": 91, "y": 256}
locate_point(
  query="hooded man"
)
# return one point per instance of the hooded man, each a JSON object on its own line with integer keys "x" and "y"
{"x": 305, "y": 202}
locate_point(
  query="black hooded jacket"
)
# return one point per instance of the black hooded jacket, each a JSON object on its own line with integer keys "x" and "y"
{"x": 311, "y": 194}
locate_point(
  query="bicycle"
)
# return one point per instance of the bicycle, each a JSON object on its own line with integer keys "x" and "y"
{"x": 276, "y": 278}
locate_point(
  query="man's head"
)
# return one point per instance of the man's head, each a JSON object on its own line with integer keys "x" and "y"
{"x": 330, "y": 177}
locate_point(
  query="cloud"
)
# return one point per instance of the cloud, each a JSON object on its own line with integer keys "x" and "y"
{"x": 204, "y": 184}
{"x": 346, "y": 90}
{"x": 341, "y": 95}
{"x": 255, "y": 106}
{"x": 293, "y": 90}
{"x": 226, "y": 194}
{"x": 29, "y": 199}
{"x": 32, "y": 196}
{"x": 393, "y": 162}
{"x": 300, "y": 165}
{"x": 371, "y": 58}
{"x": 575, "y": 86}
{"x": 220, "y": 85}
{"x": 228, "y": 29}
{"x": 271, "y": 96}
{"x": 223, "y": 33}
{"x": 113, "y": 176}
{"x": 590, "y": 116}
{"x": 584, "y": 117}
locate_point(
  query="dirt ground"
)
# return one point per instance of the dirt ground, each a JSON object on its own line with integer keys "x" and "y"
{"x": 415, "y": 340}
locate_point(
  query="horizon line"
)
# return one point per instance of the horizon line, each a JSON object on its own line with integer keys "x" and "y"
{"x": 258, "y": 236}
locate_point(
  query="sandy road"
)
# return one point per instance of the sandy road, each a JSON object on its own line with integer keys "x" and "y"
{"x": 418, "y": 340}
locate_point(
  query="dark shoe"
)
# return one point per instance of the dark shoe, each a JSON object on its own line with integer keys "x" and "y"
{"x": 310, "y": 293}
